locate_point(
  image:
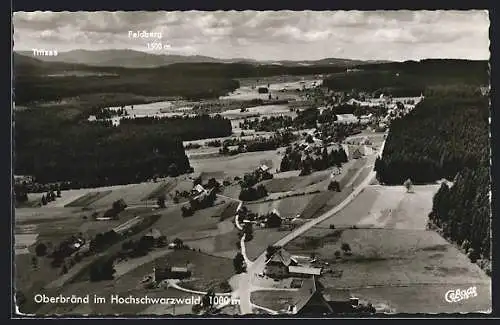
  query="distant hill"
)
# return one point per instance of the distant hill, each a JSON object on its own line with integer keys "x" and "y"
{"x": 137, "y": 59}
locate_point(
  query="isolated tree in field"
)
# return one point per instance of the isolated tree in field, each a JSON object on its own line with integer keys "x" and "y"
{"x": 409, "y": 185}
{"x": 178, "y": 242}
{"x": 239, "y": 263}
{"x": 337, "y": 254}
{"x": 346, "y": 248}
{"x": 161, "y": 201}
{"x": 119, "y": 206}
{"x": 334, "y": 186}
{"x": 248, "y": 231}
{"x": 41, "y": 249}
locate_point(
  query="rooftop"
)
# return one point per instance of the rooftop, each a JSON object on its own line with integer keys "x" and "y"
{"x": 304, "y": 270}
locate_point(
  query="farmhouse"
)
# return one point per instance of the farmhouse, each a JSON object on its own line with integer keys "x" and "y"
{"x": 315, "y": 302}
{"x": 173, "y": 272}
{"x": 277, "y": 265}
{"x": 198, "y": 189}
{"x": 263, "y": 168}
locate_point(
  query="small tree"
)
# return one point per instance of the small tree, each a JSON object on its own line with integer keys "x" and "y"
{"x": 161, "y": 201}
{"x": 41, "y": 249}
{"x": 178, "y": 242}
{"x": 409, "y": 185}
{"x": 334, "y": 186}
{"x": 44, "y": 200}
{"x": 345, "y": 247}
{"x": 239, "y": 263}
{"x": 337, "y": 254}
{"x": 248, "y": 231}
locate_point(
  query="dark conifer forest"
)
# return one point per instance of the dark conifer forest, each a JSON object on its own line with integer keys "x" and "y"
{"x": 447, "y": 136}
{"x": 96, "y": 154}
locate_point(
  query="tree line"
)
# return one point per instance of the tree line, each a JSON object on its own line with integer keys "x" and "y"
{"x": 93, "y": 154}
{"x": 410, "y": 78}
{"x": 447, "y": 137}
{"x": 439, "y": 138}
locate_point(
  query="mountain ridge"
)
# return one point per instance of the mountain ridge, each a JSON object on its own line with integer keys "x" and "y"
{"x": 128, "y": 58}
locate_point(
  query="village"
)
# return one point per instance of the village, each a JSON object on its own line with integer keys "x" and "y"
{"x": 271, "y": 218}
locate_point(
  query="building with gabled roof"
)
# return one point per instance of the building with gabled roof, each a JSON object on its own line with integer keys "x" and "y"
{"x": 277, "y": 265}
{"x": 314, "y": 301}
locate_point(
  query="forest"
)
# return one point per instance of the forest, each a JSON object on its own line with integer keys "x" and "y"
{"x": 95, "y": 154}
{"x": 439, "y": 138}
{"x": 186, "y": 128}
{"x": 411, "y": 78}
{"x": 35, "y": 81}
{"x": 447, "y": 137}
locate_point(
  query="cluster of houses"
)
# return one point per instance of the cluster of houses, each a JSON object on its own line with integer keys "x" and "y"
{"x": 312, "y": 298}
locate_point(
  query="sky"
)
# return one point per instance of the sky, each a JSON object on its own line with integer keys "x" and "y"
{"x": 265, "y": 35}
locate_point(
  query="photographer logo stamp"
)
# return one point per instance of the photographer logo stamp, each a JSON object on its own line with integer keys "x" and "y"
{"x": 456, "y": 295}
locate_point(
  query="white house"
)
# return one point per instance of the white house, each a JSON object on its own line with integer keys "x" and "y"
{"x": 346, "y": 119}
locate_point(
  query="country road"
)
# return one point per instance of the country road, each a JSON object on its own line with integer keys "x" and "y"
{"x": 245, "y": 286}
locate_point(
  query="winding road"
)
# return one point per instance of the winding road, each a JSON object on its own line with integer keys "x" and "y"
{"x": 245, "y": 286}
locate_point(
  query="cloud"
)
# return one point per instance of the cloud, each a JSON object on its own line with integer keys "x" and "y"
{"x": 395, "y": 35}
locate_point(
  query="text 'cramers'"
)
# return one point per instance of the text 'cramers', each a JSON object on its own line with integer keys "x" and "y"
{"x": 144, "y": 34}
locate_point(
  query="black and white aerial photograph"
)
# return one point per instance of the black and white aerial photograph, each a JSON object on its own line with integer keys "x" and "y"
{"x": 258, "y": 163}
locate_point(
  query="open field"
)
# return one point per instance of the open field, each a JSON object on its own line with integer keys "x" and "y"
{"x": 261, "y": 239}
{"x": 237, "y": 165}
{"x": 33, "y": 280}
{"x": 388, "y": 207}
{"x": 267, "y": 110}
{"x": 162, "y": 189}
{"x": 87, "y": 199}
{"x": 285, "y": 184}
{"x": 392, "y": 248}
{"x": 421, "y": 299}
{"x": 131, "y": 194}
{"x": 276, "y": 300}
{"x": 287, "y": 207}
